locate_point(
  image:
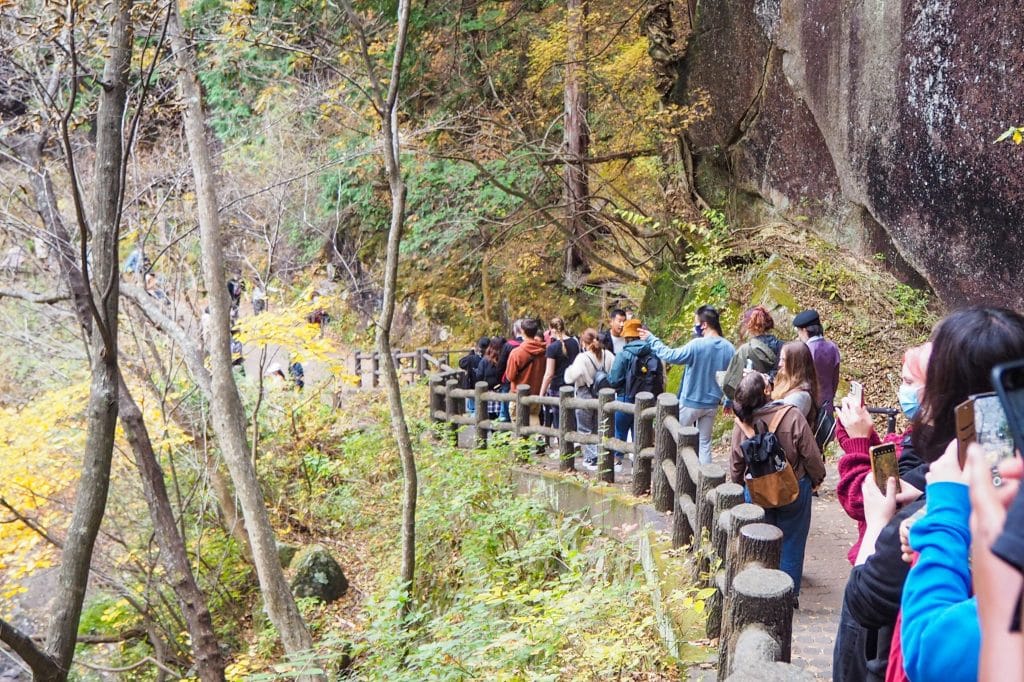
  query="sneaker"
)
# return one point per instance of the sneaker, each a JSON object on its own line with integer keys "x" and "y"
{"x": 590, "y": 464}
{"x": 618, "y": 467}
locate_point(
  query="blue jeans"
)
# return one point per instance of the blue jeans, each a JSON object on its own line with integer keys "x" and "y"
{"x": 504, "y": 415}
{"x": 794, "y": 520}
{"x": 623, "y": 423}
{"x": 470, "y": 406}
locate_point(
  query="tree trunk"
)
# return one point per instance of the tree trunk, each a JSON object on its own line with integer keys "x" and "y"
{"x": 173, "y": 554}
{"x": 229, "y": 421}
{"x": 577, "y": 142}
{"x": 91, "y": 495}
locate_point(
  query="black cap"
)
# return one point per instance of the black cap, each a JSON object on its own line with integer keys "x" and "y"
{"x": 483, "y": 342}
{"x": 806, "y": 318}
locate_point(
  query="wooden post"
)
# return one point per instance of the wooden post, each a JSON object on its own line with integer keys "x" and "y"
{"x": 481, "y": 415}
{"x": 421, "y": 361}
{"x": 727, "y": 496}
{"x": 739, "y": 516}
{"x": 761, "y": 597}
{"x": 643, "y": 437}
{"x": 356, "y": 368}
{"x": 759, "y": 544}
{"x": 605, "y": 421}
{"x": 375, "y": 369}
{"x": 682, "y": 531}
{"x": 709, "y": 477}
{"x": 664, "y": 448}
{"x": 566, "y": 423}
{"x": 437, "y": 401}
{"x": 522, "y": 419}
{"x": 451, "y": 408}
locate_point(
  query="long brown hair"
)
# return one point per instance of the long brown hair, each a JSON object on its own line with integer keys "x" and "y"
{"x": 798, "y": 373}
{"x": 589, "y": 341}
{"x": 494, "y": 349}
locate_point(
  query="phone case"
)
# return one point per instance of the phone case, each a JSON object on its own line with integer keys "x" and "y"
{"x": 964, "y": 428}
{"x": 884, "y": 465}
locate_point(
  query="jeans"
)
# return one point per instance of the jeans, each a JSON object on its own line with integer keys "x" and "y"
{"x": 504, "y": 414}
{"x": 585, "y": 423}
{"x": 794, "y": 520}
{"x": 623, "y": 424}
{"x": 704, "y": 417}
{"x": 470, "y": 406}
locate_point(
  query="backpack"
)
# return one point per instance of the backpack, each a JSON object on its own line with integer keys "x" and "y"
{"x": 644, "y": 374}
{"x": 824, "y": 426}
{"x": 600, "y": 379}
{"x": 468, "y": 363}
{"x": 770, "y": 479}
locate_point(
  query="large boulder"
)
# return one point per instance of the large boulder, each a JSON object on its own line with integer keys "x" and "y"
{"x": 877, "y": 119}
{"x": 318, "y": 575}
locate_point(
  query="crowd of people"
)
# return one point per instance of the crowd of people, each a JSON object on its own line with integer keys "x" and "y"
{"x": 934, "y": 591}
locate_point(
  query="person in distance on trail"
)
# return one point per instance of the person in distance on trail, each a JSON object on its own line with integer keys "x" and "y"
{"x": 488, "y": 371}
{"x": 612, "y": 338}
{"x": 561, "y": 351}
{"x": 506, "y": 350}
{"x": 526, "y": 361}
{"x": 753, "y": 411}
{"x": 469, "y": 364}
{"x": 706, "y": 354}
{"x": 582, "y": 374}
{"x": 825, "y": 353}
{"x": 636, "y": 369}
{"x": 761, "y": 348}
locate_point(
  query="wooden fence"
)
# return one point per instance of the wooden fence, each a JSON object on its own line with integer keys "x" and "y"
{"x": 734, "y": 551}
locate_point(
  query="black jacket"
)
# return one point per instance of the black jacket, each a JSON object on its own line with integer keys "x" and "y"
{"x": 870, "y": 605}
{"x": 488, "y": 371}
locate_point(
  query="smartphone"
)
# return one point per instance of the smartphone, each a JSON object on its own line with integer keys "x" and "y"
{"x": 884, "y": 465}
{"x": 857, "y": 392}
{"x": 964, "y": 418}
{"x": 981, "y": 419}
{"x": 1008, "y": 379}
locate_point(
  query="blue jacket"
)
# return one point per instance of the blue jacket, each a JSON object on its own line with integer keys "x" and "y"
{"x": 703, "y": 357}
{"x": 617, "y": 377}
{"x": 940, "y": 635}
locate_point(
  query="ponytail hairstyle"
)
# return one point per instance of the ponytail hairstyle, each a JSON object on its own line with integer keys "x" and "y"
{"x": 589, "y": 341}
{"x": 557, "y": 325}
{"x": 750, "y": 397}
{"x": 709, "y": 315}
{"x": 758, "y": 321}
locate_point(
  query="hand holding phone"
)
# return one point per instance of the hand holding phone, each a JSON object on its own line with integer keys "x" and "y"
{"x": 857, "y": 393}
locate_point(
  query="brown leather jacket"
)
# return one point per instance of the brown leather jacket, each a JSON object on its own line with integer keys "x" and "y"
{"x": 796, "y": 439}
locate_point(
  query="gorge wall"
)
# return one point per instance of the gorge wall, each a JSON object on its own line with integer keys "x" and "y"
{"x": 876, "y": 119}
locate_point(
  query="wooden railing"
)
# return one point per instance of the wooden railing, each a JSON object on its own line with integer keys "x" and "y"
{"x": 409, "y": 364}
{"x": 734, "y": 551}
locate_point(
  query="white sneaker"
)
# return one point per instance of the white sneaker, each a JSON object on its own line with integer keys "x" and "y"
{"x": 618, "y": 467}
{"x": 590, "y": 466}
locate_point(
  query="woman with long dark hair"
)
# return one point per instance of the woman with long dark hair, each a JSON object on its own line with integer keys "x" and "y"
{"x": 939, "y": 633}
{"x": 754, "y": 411}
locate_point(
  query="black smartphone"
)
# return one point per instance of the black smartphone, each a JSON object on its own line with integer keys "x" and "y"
{"x": 1008, "y": 380}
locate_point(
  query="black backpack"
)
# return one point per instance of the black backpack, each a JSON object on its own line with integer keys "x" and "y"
{"x": 600, "y": 378}
{"x": 644, "y": 374}
{"x": 824, "y": 426}
{"x": 762, "y": 451}
{"x": 468, "y": 363}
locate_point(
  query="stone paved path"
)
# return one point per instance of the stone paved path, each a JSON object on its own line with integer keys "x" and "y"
{"x": 826, "y": 569}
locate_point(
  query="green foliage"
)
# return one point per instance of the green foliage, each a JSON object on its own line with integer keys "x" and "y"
{"x": 1013, "y": 133}
{"x": 911, "y": 305}
{"x": 829, "y": 279}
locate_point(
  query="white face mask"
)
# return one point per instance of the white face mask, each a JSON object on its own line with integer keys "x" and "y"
{"x": 910, "y": 401}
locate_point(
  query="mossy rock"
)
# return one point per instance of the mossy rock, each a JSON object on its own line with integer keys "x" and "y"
{"x": 285, "y": 553}
{"x": 318, "y": 575}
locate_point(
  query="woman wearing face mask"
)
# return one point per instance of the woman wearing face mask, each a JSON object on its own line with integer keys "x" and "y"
{"x": 856, "y": 435}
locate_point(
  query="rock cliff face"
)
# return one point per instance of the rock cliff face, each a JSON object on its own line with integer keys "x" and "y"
{"x": 877, "y": 119}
